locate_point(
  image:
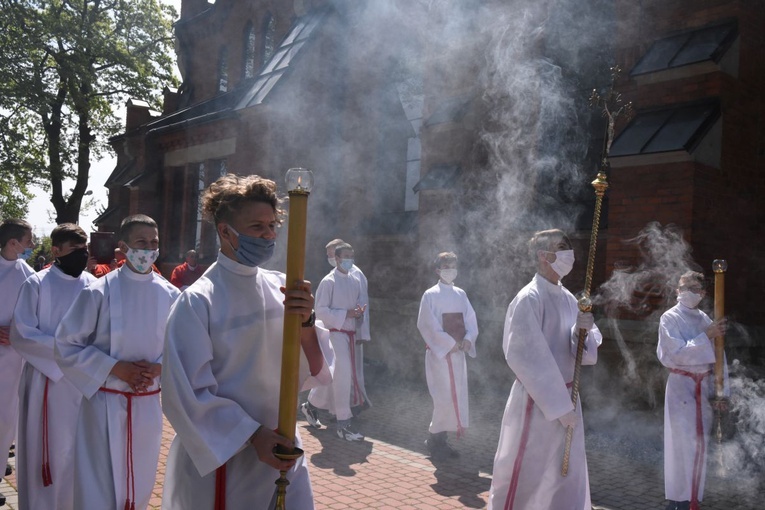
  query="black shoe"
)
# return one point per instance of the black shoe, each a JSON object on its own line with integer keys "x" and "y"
{"x": 348, "y": 434}
{"x": 311, "y": 415}
{"x": 449, "y": 450}
{"x": 2, "y": 500}
{"x": 684, "y": 505}
{"x": 8, "y": 470}
{"x": 436, "y": 444}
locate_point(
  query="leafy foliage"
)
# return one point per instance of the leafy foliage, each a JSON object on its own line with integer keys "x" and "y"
{"x": 65, "y": 67}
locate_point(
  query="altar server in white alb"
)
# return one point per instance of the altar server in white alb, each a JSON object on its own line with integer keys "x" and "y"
{"x": 686, "y": 348}
{"x": 339, "y": 306}
{"x": 16, "y": 246}
{"x": 109, "y": 345}
{"x": 540, "y": 340}
{"x": 448, "y": 324}
{"x": 361, "y": 401}
{"x": 50, "y": 404}
{"x": 221, "y": 383}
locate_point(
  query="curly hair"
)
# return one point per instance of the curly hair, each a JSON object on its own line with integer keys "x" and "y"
{"x": 226, "y": 195}
{"x": 689, "y": 278}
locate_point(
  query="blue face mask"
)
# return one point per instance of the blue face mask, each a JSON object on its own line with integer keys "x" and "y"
{"x": 26, "y": 254}
{"x": 346, "y": 264}
{"x": 253, "y": 251}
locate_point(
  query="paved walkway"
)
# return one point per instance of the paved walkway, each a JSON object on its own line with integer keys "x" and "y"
{"x": 391, "y": 469}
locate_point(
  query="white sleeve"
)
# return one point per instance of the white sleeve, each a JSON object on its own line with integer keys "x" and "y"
{"x": 673, "y": 351}
{"x": 528, "y": 355}
{"x": 36, "y": 347}
{"x": 364, "y": 298}
{"x": 84, "y": 364}
{"x": 213, "y": 428}
{"x": 333, "y": 318}
{"x": 471, "y": 325}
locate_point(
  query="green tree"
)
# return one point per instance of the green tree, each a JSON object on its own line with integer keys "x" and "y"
{"x": 65, "y": 67}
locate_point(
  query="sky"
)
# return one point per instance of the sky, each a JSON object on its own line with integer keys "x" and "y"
{"x": 41, "y": 213}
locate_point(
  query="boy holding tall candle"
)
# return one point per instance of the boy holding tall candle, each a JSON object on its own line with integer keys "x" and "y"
{"x": 221, "y": 384}
{"x": 686, "y": 348}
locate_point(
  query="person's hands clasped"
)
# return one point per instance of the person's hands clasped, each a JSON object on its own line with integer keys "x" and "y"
{"x": 717, "y": 328}
{"x": 152, "y": 370}
{"x": 466, "y": 345}
{"x": 299, "y": 301}
{"x": 264, "y": 441}
{"x": 135, "y": 374}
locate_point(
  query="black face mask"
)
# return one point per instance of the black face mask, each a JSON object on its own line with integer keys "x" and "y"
{"x": 73, "y": 263}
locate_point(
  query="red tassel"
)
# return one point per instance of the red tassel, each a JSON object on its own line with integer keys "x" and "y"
{"x": 127, "y": 504}
{"x": 46, "y": 476}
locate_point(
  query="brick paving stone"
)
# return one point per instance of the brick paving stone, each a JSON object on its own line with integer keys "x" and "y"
{"x": 391, "y": 468}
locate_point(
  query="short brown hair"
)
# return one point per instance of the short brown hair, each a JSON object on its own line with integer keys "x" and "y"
{"x": 541, "y": 240}
{"x": 444, "y": 257}
{"x": 68, "y": 232}
{"x": 333, "y": 243}
{"x": 342, "y": 246}
{"x": 127, "y": 225}
{"x": 226, "y": 195}
{"x": 13, "y": 228}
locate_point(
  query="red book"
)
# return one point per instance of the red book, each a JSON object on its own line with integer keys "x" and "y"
{"x": 454, "y": 325}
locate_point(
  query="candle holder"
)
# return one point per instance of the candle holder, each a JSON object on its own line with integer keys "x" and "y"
{"x": 719, "y": 402}
{"x": 299, "y": 185}
{"x": 719, "y": 266}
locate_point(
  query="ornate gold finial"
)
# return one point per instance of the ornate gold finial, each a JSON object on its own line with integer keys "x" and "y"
{"x": 612, "y": 108}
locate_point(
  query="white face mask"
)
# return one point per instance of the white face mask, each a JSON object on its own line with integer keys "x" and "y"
{"x": 142, "y": 260}
{"x": 689, "y": 299}
{"x": 448, "y": 275}
{"x": 564, "y": 262}
{"x": 332, "y": 261}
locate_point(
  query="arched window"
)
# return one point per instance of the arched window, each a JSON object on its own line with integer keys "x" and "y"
{"x": 250, "y": 43}
{"x": 269, "y": 37}
{"x": 223, "y": 70}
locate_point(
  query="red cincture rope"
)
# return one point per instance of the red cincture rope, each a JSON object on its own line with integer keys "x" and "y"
{"x": 220, "y": 488}
{"x": 130, "y": 482}
{"x": 698, "y": 460}
{"x": 358, "y": 398}
{"x": 460, "y": 428}
{"x": 46, "y": 476}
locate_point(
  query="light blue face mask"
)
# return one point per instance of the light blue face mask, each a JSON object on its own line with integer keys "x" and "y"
{"x": 346, "y": 264}
{"x": 253, "y": 251}
{"x": 26, "y": 254}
